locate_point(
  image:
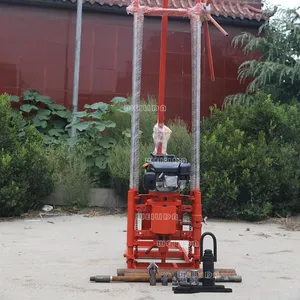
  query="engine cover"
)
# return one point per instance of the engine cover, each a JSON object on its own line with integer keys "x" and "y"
{"x": 166, "y": 173}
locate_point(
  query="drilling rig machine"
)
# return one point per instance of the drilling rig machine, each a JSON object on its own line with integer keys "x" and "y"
{"x": 157, "y": 220}
{"x": 164, "y": 211}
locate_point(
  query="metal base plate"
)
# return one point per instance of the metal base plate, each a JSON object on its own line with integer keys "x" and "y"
{"x": 201, "y": 289}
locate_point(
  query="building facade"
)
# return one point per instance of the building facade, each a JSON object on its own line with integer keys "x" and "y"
{"x": 38, "y": 46}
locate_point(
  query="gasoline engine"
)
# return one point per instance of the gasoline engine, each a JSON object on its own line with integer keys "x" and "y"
{"x": 166, "y": 173}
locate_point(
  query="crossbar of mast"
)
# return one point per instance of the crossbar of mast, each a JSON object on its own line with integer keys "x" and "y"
{"x": 198, "y": 9}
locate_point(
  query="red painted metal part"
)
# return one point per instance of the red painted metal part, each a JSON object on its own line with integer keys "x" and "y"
{"x": 130, "y": 227}
{"x": 162, "y": 74}
{"x": 163, "y": 213}
{"x": 209, "y": 52}
{"x": 216, "y": 24}
{"x": 161, "y": 230}
{"x": 160, "y": 11}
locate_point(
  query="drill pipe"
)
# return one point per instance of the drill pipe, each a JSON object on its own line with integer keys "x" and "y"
{"x": 107, "y": 278}
{"x": 121, "y": 272}
{"x": 200, "y": 275}
{"x": 145, "y": 278}
{"x": 229, "y": 277}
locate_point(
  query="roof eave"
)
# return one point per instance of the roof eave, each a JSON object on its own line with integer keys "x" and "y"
{"x": 115, "y": 9}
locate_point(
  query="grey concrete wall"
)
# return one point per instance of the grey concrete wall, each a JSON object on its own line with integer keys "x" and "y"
{"x": 98, "y": 197}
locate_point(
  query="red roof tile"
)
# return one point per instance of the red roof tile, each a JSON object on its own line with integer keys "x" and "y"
{"x": 227, "y": 8}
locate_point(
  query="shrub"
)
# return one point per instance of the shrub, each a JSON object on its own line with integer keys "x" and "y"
{"x": 93, "y": 124}
{"x": 250, "y": 167}
{"x": 25, "y": 176}
{"x": 70, "y": 173}
{"x": 48, "y": 117}
{"x": 181, "y": 140}
{"x": 95, "y": 127}
{"x": 119, "y": 164}
{"x": 250, "y": 160}
{"x": 148, "y": 118}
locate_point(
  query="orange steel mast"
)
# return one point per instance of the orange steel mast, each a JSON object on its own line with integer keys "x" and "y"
{"x": 162, "y": 77}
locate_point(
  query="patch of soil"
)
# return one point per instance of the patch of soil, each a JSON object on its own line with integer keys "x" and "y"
{"x": 287, "y": 223}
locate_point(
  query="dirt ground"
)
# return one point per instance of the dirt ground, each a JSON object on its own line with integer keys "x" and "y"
{"x": 53, "y": 258}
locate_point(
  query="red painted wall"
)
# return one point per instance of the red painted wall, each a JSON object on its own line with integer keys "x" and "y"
{"x": 37, "y": 51}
